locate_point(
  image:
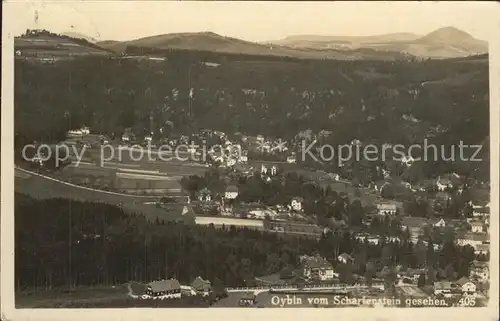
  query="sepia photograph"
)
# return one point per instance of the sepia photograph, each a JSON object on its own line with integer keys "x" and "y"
{"x": 168, "y": 154}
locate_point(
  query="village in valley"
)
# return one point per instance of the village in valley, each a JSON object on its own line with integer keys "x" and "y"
{"x": 194, "y": 169}
{"x": 437, "y": 229}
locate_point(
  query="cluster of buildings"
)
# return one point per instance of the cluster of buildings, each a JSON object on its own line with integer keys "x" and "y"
{"x": 172, "y": 289}
{"x": 226, "y": 203}
{"x": 461, "y": 287}
{"x": 473, "y": 233}
{"x": 317, "y": 268}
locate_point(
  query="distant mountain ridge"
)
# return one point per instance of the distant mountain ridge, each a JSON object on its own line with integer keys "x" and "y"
{"x": 212, "y": 42}
{"x": 402, "y": 36}
{"x": 446, "y": 42}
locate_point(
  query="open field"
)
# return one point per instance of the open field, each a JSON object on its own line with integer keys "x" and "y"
{"x": 219, "y": 221}
{"x": 63, "y": 298}
{"x": 367, "y": 197}
{"x": 55, "y": 46}
{"x": 131, "y": 159}
{"x": 42, "y": 188}
{"x": 99, "y": 297}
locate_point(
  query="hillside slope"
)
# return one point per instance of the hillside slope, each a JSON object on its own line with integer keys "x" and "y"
{"x": 209, "y": 41}
{"x": 46, "y": 44}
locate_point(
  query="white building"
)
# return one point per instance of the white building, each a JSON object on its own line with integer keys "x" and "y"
{"x": 345, "y": 258}
{"x": 444, "y": 288}
{"x": 468, "y": 287}
{"x": 230, "y": 162}
{"x": 164, "y": 289}
{"x": 481, "y": 249}
{"x": 291, "y": 159}
{"x": 477, "y": 227}
{"x": 387, "y": 208}
{"x": 296, "y": 203}
{"x": 438, "y": 223}
{"x": 85, "y": 130}
{"x": 317, "y": 268}
{"x": 205, "y": 195}
{"x": 231, "y": 192}
{"x": 407, "y": 160}
{"x": 243, "y": 158}
{"x": 356, "y": 142}
{"x": 476, "y": 240}
{"x": 480, "y": 210}
{"x": 443, "y": 183}
{"x": 480, "y": 270}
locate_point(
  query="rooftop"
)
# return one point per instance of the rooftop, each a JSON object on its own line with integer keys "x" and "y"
{"x": 232, "y": 189}
{"x": 386, "y": 206}
{"x": 444, "y": 181}
{"x": 482, "y": 247}
{"x": 200, "y": 283}
{"x": 479, "y": 237}
{"x": 205, "y": 191}
{"x": 444, "y": 285}
{"x": 164, "y": 285}
{"x": 412, "y": 222}
{"x": 346, "y": 256}
{"x": 463, "y": 280}
{"x": 316, "y": 262}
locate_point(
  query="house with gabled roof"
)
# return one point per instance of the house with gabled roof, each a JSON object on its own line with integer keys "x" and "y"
{"x": 480, "y": 270}
{"x": 201, "y": 286}
{"x": 481, "y": 249}
{"x": 467, "y": 286}
{"x": 442, "y": 183}
{"x": 444, "y": 288}
{"x": 296, "y": 203}
{"x": 477, "y": 226}
{"x": 164, "y": 289}
{"x": 205, "y": 195}
{"x": 231, "y": 192}
{"x": 316, "y": 267}
{"x": 437, "y": 222}
{"x": 387, "y": 208}
{"x": 473, "y": 239}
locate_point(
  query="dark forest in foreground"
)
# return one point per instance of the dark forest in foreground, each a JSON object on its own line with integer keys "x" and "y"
{"x": 105, "y": 246}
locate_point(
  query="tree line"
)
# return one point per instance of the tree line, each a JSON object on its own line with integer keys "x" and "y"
{"x": 61, "y": 242}
{"x": 352, "y": 99}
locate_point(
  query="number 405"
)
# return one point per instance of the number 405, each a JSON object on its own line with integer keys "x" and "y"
{"x": 467, "y": 302}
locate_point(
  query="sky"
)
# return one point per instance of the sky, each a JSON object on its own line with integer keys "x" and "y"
{"x": 252, "y": 21}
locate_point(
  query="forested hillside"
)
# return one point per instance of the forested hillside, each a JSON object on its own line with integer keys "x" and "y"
{"x": 61, "y": 242}
{"x": 445, "y": 101}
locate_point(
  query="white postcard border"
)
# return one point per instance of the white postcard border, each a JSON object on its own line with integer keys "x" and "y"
{"x": 8, "y": 311}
